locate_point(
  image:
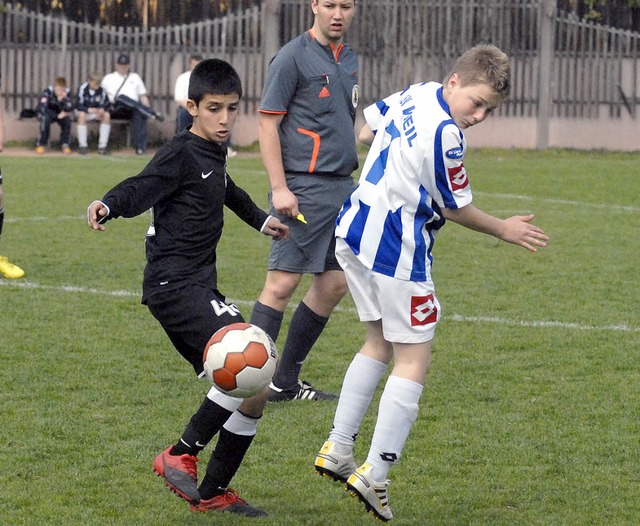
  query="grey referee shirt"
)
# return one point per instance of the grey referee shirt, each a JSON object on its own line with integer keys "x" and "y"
{"x": 318, "y": 95}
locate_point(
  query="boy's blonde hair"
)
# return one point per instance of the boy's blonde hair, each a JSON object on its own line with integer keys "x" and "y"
{"x": 95, "y": 76}
{"x": 60, "y": 82}
{"x": 484, "y": 64}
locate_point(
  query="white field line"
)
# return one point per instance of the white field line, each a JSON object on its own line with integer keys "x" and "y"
{"x": 42, "y": 218}
{"x": 579, "y": 204}
{"x": 245, "y": 303}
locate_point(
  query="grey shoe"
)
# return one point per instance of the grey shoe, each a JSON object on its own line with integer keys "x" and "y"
{"x": 300, "y": 391}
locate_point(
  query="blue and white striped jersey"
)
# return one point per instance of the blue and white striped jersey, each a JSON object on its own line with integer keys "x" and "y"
{"x": 413, "y": 169}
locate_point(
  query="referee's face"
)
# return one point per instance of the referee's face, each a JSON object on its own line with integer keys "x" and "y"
{"x": 332, "y": 19}
{"x": 214, "y": 117}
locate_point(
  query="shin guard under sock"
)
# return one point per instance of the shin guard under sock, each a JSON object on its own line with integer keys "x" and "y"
{"x": 224, "y": 463}
{"x": 202, "y": 427}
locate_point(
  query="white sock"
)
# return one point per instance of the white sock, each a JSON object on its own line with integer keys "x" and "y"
{"x": 240, "y": 424}
{"x": 397, "y": 413}
{"x": 103, "y": 135}
{"x": 82, "y": 135}
{"x": 359, "y": 385}
{"x": 227, "y": 402}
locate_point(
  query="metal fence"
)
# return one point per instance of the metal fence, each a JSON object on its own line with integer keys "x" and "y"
{"x": 589, "y": 69}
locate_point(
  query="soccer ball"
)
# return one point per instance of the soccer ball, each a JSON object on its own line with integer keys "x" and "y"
{"x": 240, "y": 360}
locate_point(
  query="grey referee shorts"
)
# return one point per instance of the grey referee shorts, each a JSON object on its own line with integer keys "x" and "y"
{"x": 310, "y": 248}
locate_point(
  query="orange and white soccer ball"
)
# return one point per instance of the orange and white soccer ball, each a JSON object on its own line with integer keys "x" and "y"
{"x": 240, "y": 360}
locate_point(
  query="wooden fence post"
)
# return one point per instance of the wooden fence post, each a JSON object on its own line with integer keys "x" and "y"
{"x": 270, "y": 30}
{"x": 546, "y": 46}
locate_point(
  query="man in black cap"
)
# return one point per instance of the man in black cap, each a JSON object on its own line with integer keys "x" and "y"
{"x": 129, "y": 99}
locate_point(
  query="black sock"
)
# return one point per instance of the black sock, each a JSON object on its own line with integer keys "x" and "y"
{"x": 224, "y": 462}
{"x": 268, "y": 319}
{"x": 304, "y": 330}
{"x": 1, "y": 219}
{"x": 201, "y": 428}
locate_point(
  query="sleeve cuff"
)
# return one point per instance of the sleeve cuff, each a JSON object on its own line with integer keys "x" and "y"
{"x": 265, "y": 224}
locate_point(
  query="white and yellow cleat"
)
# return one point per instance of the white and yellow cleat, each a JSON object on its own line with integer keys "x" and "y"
{"x": 9, "y": 270}
{"x": 371, "y": 493}
{"x": 330, "y": 463}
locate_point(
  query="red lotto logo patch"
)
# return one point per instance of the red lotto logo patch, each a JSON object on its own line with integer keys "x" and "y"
{"x": 458, "y": 177}
{"x": 423, "y": 310}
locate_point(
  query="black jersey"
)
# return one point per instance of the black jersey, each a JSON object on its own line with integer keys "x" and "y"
{"x": 91, "y": 98}
{"x": 187, "y": 186}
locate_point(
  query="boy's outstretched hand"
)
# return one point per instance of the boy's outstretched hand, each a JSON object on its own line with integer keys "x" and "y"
{"x": 276, "y": 229}
{"x": 519, "y": 231}
{"x": 96, "y": 213}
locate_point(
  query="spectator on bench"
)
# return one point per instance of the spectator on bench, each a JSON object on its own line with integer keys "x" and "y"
{"x": 55, "y": 106}
{"x": 128, "y": 96}
{"x": 93, "y": 105}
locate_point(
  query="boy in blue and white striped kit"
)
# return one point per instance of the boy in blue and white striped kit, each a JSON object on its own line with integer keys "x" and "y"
{"x": 413, "y": 180}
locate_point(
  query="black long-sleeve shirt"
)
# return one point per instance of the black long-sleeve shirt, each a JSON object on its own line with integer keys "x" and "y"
{"x": 187, "y": 186}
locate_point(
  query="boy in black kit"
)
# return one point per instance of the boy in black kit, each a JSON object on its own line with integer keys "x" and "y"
{"x": 187, "y": 186}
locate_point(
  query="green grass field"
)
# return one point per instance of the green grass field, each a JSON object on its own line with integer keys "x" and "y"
{"x": 531, "y": 411}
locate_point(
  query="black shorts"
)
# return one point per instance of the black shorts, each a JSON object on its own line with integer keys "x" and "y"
{"x": 190, "y": 316}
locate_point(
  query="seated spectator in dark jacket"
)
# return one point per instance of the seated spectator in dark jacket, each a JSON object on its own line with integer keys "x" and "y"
{"x": 55, "y": 106}
{"x": 93, "y": 105}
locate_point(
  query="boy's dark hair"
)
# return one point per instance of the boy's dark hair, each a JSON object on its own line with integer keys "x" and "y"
{"x": 213, "y": 76}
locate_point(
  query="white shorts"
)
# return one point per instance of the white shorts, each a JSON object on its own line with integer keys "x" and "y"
{"x": 91, "y": 117}
{"x": 409, "y": 310}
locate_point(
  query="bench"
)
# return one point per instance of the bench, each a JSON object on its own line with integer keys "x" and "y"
{"x": 27, "y": 115}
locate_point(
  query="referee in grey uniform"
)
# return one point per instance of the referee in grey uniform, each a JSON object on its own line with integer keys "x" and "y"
{"x": 308, "y": 146}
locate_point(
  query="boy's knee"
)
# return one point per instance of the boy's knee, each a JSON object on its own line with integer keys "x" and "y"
{"x": 332, "y": 286}
{"x": 279, "y": 287}
{"x": 254, "y": 406}
{"x": 340, "y": 289}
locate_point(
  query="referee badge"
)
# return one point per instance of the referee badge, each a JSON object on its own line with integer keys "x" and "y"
{"x": 355, "y": 95}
